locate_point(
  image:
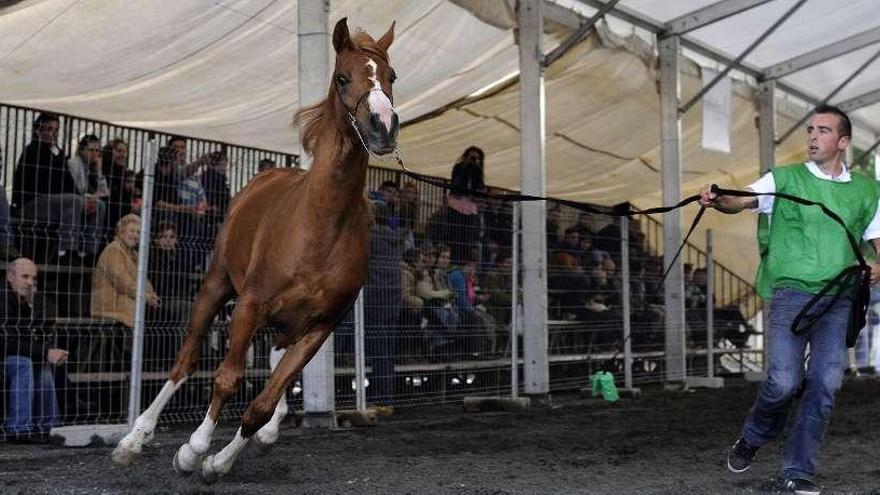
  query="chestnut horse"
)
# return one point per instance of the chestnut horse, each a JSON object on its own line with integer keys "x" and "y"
{"x": 293, "y": 249}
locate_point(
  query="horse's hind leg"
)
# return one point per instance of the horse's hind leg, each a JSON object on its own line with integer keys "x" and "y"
{"x": 264, "y": 406}
{"x": 215, "y": 291}
{"x": 268, "y": 434}
{"x": 245, "y": 320}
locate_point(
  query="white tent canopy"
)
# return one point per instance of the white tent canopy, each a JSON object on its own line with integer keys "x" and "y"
{"x": 226, "y": 70}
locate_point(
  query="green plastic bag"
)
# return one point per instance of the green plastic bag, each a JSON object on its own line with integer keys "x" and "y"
{"x": 603, "y": 384}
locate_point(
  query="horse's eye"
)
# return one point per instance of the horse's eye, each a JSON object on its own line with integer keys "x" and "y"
{"x": 341, "y": 80}
{"x": 392, "y": 77}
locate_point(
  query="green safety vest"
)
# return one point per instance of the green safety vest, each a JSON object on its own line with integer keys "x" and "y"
{"x": 803, "y": 248}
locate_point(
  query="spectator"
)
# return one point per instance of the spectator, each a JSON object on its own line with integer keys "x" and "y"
{"x": 467, "y": 173}
{"x": 89, "y": 182}
{"x": 388, "y": 195}
{"x": 8, "y": 252}
{"x": 463, "y": 281}
{"x": 554, "y": 216}
{"x": 382, "y": 301}
{"x": 265, "y": 164}
{"x": 120, "y": 180}
{"x": 29, "y": 355}
{"x": 216, "y": 187}
{"x": 456, "y": 224}
{"x": 409, "y": 214}
{"x": 114, "y": 283}
{"x": 169, "y": 272}
{"x": 411, "y": 314}
{"x": 44, "y": 192}
{"x": 438, "y": 298}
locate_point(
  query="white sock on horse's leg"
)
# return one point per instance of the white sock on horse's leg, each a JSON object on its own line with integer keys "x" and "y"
{"x": 215, "y": 466}
{"x": 142, "y": 432}
{"x": 189, "y": 454}
{"x": 268, "y": 434}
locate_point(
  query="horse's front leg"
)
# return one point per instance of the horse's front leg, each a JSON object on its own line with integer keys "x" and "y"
{"x": 264, "y": 406}
{"x": 245, "y": 320}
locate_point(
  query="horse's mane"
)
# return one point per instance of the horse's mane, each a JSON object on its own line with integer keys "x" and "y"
{"x": 310, "y": 118}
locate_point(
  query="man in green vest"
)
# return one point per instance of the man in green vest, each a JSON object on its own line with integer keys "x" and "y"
{"x": 801, "y": 250}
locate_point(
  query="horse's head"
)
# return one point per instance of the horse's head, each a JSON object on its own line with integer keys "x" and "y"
{"x": 363, "y": 78}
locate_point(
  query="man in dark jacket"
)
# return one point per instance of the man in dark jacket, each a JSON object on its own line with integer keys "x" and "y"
{"x": 382, "y": 301}
{"x": 29, "y": 357}
{"x": 44, "y": 191}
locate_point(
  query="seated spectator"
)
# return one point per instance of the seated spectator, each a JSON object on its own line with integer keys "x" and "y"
{"x": 170, "y": 273}
{"x": 114, "y": 283}
{"x": 438, "y": 300}
{"x": 86, "y": 170}
{"x": 409, "y": 214}
{"x": 44, "y": 191}
{"x": 480, "y": 324}
{"x": 265, "y": 164}
{"x": 388, "y": 195}
{"x": 554, "y": 216}
{"x": 216, "y": 187}
{"x": 29, "y": 357}
{"x": 411, "y": 312}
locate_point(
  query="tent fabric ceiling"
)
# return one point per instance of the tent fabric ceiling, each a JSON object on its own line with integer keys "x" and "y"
{"x": 226, "y": 70}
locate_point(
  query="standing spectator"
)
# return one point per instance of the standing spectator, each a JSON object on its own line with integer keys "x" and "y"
{"x": 382, "y": 301}
{"x": 122, "y": 193}
{"x": 8, "y": 252}
{"x": 456, "y": 224}
{"x": 29, "y": 355}
{"x": 44, "y": 192}
{"x": 216, "y": 186}
{"x": 467, "y": 173}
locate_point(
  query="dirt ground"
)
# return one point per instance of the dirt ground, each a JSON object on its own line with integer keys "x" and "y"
{"x": 662, "y": 442}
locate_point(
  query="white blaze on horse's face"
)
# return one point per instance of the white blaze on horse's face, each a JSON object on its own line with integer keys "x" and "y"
{"x": 378, "y": 101}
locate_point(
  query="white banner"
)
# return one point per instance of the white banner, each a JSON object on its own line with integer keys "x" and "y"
{"x": 717, "y": 110}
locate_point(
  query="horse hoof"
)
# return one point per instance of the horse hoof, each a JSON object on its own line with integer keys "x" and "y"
{"x": 209, "y": 475}
{"x": 185, "y": 460}
{"x": 122, "y": 456}
{"x": 261, "y": 448}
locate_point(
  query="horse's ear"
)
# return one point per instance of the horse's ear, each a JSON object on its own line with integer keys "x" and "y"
{"x": 341, "y": 38}
{"x": 386, "y": 39}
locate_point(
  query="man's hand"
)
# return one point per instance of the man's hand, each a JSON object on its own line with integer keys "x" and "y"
{"x": 875, "y": 273}
{"x": 57, "y": 356}
{"x": 153, "y": 300}
{"x": 708, "y": 198}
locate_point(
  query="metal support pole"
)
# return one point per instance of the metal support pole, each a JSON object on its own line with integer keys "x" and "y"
{"x": 536, "y": 372}
{"x": 514, "y": 305}
{"x": 741, "y": 56}
{"x": 578, "y": 35}
{"x": 710, "y": 307}
{"x": 624, "y": 282}
{"x": 360, "y": 358}
{"x": 318, "y": 376}
{"x": 766, "y": 157}
{"x": 670, "y": 143}
{"x": 137, "y": 347}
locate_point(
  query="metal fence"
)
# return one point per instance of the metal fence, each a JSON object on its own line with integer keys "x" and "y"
{"x": 437, "y": 314}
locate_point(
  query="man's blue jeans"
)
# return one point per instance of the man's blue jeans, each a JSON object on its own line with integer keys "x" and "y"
{"x": 32, "y": 400}
{"x": 785, "y": 370}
